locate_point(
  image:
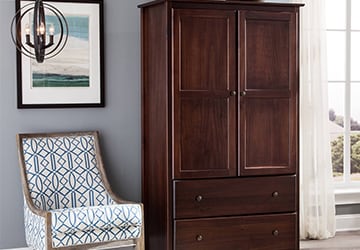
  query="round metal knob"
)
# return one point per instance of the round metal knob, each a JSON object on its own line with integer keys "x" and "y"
{"x": 233, "y": 93}
{"x": 198, "y": 198}
{"x": 199, "y": 237}
{"x": 243, "y": 93}
{"x": 275, "y": 232}
{"x": 275, "y": 194}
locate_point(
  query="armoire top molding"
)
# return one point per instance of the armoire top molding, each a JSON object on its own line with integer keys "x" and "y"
{"x": 230, "y": 2}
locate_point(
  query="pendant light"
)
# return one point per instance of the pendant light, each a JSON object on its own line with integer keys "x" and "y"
{"x": 31, "y": 39}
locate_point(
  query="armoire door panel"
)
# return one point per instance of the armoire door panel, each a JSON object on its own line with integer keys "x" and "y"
{"x": 204, "y": 107}
{"x": 204, "y": 57}
{"x": 205, "y": 140}
{"x": 268, "y": 136}
{"x": 268, "y": 50}
{"x": 268, "y": 79}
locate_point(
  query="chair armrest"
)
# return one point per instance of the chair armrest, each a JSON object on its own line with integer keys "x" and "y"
{"x": 119, "y": 200}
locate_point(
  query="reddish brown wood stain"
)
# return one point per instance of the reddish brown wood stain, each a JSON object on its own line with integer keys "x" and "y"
{"x": 220, "y": 124}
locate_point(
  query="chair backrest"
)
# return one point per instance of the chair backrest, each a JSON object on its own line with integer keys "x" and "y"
{"x": 61, "y": 170}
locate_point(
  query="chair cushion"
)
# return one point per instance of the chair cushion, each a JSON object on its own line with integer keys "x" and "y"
{"x": 97, "y": 217}
{"x": 85, "y": 225}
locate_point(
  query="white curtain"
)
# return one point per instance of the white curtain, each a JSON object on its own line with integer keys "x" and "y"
{"x": 317, "y": 206}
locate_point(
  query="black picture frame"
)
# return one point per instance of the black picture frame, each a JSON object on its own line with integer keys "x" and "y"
{"x": 43, "y": 91}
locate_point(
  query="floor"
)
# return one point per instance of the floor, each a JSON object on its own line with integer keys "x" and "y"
{"x": 342, "y": 241}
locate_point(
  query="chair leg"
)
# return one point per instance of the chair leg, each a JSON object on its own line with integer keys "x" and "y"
{"x": 140, "y": 244}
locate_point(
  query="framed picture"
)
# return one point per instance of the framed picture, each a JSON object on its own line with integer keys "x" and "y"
{"x": 74, "y": 77}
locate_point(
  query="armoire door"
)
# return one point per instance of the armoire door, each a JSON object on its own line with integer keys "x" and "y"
{"x": 268, "y": 84}
{"x": 204, "y": 93}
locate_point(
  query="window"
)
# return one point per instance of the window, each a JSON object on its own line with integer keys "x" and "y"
{"x": 343, "y": 44}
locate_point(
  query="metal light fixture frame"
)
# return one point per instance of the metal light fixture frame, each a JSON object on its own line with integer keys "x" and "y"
{"x": 39, "y": 39}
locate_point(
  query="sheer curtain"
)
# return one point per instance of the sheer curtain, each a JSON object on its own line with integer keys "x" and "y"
{"x": 317, "y": 206}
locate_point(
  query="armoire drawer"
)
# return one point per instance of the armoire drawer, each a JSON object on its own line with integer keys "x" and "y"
{"x": 237, "y": 196}
{"x": 237, "y": 233}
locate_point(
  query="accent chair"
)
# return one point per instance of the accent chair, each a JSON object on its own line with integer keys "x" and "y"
{"x": 68, "y": 202}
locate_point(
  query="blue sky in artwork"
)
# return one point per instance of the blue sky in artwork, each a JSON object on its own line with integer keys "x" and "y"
{"x": 78, "y": 26}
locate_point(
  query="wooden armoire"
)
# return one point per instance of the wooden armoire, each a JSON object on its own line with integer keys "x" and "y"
{"x": 220, "y": 84}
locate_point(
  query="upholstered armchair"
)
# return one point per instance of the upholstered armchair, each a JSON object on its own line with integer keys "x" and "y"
{"x": 68, "y": 203}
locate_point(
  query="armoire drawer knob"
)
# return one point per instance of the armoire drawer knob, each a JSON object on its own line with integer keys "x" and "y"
{"x": 275, "y": 194}
{"x": 275, "y": 232}
{"x": 199, "y": 237}
{"x": 198, "y": 198}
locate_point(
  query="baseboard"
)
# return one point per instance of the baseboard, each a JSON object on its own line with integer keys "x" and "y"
{"x": 348, "y": 222}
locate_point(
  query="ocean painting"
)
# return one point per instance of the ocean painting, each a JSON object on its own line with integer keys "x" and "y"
{"x": 71, "y": 67}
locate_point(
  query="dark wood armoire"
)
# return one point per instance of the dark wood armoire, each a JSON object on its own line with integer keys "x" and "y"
{"x": 220, "y": 84}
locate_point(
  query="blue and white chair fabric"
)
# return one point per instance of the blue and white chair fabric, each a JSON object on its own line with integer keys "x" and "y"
{"x": 68, "y": 202}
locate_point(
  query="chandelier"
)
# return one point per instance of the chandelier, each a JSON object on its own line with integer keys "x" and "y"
{"x": 31, "y": 39}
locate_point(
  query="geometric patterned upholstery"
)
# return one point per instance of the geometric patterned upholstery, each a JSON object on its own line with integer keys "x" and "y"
{"x": 68, "y": 201}
{"x": 96, "y": 223}
{"x": 62, "y": 172}
{"x": 34, "y": 228}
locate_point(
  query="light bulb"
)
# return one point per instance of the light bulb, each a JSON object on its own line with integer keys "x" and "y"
{"x": 27, "y": 29}
{"x": 42, "y": 29}
{"x": 51, "y": 29}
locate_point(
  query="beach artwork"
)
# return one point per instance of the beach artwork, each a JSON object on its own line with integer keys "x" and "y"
{"x": 71, "y": 67}
{"x": 75, "y": 76}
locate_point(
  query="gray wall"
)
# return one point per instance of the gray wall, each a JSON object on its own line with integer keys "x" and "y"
{"x": 118, "y": 123}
